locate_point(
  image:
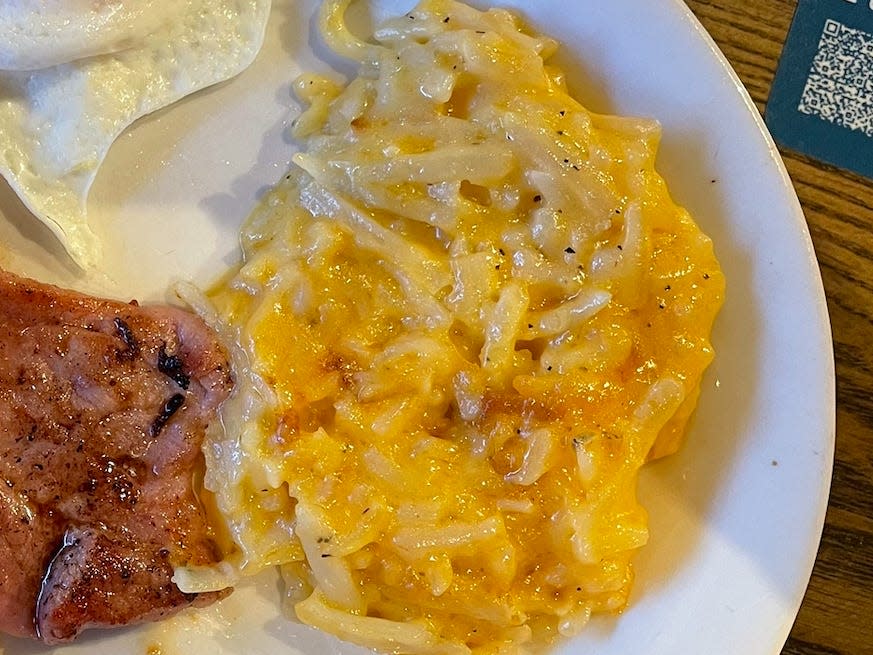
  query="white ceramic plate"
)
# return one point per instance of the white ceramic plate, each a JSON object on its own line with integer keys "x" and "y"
{"x": 735, "y": 516}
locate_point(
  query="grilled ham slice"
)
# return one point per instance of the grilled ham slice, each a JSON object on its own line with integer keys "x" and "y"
{"x": 103, "y": 408}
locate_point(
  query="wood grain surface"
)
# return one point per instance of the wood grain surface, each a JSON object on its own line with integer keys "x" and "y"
{"x": 836, "y": 617}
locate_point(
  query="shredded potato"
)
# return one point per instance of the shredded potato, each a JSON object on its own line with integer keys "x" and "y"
{"x": 467, "y": 317}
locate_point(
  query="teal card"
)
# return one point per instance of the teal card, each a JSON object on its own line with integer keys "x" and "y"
{"x": 821, "y": 102}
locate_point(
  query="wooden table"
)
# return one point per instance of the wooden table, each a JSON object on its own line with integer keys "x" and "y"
{"x": 836, "y": 617}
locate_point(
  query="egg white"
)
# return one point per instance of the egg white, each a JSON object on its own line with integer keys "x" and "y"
{"x": 57, "y": 123}
{"x": 40, "y": 33}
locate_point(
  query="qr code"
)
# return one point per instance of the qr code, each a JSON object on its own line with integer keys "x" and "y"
{"x": 839, "y": 88}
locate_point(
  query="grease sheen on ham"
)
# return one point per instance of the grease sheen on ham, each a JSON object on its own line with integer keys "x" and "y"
{"x": 103, "y": 408}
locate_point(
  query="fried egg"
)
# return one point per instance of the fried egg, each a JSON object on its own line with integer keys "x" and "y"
{"x": 75, "y": 74}
{"x": 40, "y": 33}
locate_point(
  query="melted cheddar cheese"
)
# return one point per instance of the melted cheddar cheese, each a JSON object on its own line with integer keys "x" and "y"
{"x": 468, "y": 317}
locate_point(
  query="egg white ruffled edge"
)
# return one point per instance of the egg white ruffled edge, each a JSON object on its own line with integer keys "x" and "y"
{"x": 199, "y": 61}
